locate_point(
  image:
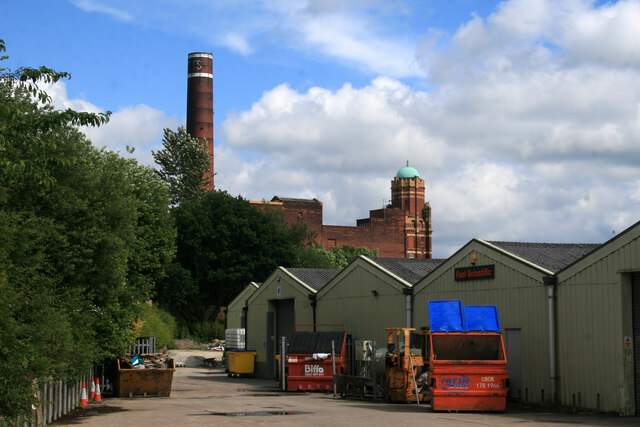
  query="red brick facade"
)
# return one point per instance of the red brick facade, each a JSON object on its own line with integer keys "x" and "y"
{"x": 401, "y": 230}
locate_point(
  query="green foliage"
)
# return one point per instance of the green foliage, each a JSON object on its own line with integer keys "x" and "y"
{"x": 85, "y": 234}
{"x": 183, "y": 163}
{"x": 204, "y": 331}
{"x": 338, "y": 257}
{"x": 224, "y": 243}
{"x": 159, "y": 324}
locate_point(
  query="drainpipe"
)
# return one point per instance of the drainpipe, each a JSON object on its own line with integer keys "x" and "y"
{"x": 312, "y": 297}
{"x": 408, "y": 292}
{"x": 551, "y": 282}
{"x": 246, "y": 322}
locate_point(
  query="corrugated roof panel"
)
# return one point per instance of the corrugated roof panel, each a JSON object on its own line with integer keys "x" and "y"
{"x": 315, "y": 278}
{"x": 409, "y": 270}
{"x": 551, "y": 256}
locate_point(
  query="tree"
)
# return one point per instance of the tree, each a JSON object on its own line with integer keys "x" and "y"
{"x": 84, "y": 235}
{"x": 183, "y": 163}
{"x": 224, "y": 243}
{"x": 337, "y": 257}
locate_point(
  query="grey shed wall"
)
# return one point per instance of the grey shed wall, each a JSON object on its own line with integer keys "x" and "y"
{"x": 594, "y": 315}
{"x": 262, "y": 302}
{"x": 348, "y": 300}
{"x": 516, "y": 290}
{"x": 235, "y": 307}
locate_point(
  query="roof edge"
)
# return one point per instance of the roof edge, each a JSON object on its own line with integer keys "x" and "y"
{"x": 516, "y": 257}
{"x": 290, "y": 274}
{"x": 379, "y": 267}
{"x": 617, "y": 236}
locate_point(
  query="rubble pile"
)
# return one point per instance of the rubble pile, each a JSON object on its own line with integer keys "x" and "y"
{"x": 146, "y": 361}
{"x": 216, "y": 345}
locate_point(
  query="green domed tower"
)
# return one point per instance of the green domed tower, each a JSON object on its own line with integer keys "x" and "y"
{"x": 408, "y": 194}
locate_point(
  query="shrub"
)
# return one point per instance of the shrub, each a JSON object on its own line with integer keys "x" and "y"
{"x": 155, "y": 322}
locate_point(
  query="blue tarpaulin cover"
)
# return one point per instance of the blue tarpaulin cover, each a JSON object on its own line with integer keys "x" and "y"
{"x": 483, "y": 318}
{"x": 446, "y": 316}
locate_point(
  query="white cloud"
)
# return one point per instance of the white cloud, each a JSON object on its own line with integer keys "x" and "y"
{"x": 635, "y": 191}
{"x": 350, "y": 37}
{"x": 529, "y": 129}
{"x": 101, "y": 7}
{"x": 606, "y": 35}
{"x": 528, "y": 157}
{"x": 344, "y": 32}
{"x": 139, "y": 127}
{"x": 236, "y": 42}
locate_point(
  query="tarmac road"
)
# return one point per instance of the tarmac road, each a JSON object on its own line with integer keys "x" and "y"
{"x": 202, "y": 396}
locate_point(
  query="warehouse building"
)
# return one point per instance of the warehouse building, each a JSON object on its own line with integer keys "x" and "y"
{"x": 285, "y": 299}
{"x": 569, "y": 313}
{"x": 236, "y": 313}
{"x": 372, "y": 294}
{"x": 597, "y": 301}
{"x": 509, "y": 276}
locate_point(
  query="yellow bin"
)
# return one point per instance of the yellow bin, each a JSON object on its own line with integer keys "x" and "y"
{"x": 241, "y": 362}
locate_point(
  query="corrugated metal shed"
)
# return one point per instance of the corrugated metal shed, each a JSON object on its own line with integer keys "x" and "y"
{"x": 284, "y": 289}
{"x": 410, "y": 270}
{"x": 516, "y": 289}
{"x": 550, "y": 256}
{"x": 315, "y": 278}
{"x": 595, "y": 354}
{"x": 371, "y": 294}
{"x": 594, "y": 316}
{"x": 235, "y": 307}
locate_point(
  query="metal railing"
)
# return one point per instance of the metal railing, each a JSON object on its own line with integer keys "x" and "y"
{"x": 144, "y": 345}
{"x": 58, "y": 398}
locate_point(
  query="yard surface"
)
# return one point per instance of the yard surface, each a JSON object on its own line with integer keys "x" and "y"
{"x": 207, "y": 396}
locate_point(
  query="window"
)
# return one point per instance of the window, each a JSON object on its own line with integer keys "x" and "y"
{"x": 422, "y": 239}
{"x": 412, "y": 255}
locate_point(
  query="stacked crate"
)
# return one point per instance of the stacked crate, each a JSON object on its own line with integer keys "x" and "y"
{"x": 235, "y": 338}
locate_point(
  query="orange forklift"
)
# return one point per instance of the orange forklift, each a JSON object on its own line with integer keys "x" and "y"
{"x": 402, "y": 368}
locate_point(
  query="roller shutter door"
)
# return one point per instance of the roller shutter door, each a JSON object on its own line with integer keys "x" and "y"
{"x": 635, "y": 285}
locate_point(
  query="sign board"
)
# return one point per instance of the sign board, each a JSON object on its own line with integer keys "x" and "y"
{"x": 627, "y": 342}
{"x": 475, "y": 273}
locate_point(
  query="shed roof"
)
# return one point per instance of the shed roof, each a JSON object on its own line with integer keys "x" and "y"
{"x": 409, "y": 270}
{"x": 315, "y": 278}
{"x": 551, "y": 256}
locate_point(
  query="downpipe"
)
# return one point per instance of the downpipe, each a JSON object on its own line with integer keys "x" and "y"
{"x": 408, "y": 292}
{"x": 551, "y": 283}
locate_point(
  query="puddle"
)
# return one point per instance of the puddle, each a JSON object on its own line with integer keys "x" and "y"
{"x": 257, "y": 413}
{"x": 263, "y": 394}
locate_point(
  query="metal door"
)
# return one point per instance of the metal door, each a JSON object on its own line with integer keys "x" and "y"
{"x": 285, "y": 320}
{"x": 270, "y": 339}
{"x": 513, "y": 344}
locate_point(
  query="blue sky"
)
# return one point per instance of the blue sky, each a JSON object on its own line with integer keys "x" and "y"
{"x": 522, "y": 116}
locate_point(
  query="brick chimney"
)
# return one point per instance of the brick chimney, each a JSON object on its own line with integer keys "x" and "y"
{"x": 200, "y": 104}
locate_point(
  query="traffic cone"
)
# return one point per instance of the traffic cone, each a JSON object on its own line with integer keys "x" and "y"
{"x": 92, "y": 390}
{"x": 83, "y": 395}
{"x": 98, "y": 396}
